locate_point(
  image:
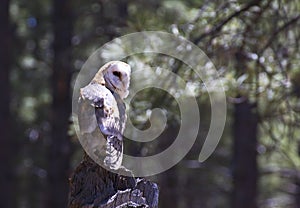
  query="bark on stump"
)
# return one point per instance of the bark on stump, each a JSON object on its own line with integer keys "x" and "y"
{"x": 92, "y": 186}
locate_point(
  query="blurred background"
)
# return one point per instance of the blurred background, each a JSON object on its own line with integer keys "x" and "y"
{"x": 254, "y": 45}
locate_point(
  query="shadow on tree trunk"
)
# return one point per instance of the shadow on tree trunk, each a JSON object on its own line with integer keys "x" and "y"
{"x": 93, "y": 186}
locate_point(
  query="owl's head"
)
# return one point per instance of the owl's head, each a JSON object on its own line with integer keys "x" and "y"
{"x": 115, "y": 75}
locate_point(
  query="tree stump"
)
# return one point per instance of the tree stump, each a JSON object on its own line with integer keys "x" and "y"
{"x": 92, "y": 186}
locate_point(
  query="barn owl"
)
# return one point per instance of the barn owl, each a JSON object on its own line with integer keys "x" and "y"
{"x": 102, "y": 114}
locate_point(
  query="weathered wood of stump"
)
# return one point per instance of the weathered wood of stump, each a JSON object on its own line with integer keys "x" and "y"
{"x": 92, "y": 186}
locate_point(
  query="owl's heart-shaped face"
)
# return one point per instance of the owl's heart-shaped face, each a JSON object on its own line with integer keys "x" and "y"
{"x": 118, "y": 77}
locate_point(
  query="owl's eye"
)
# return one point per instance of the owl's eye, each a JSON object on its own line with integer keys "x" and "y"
{"x": 117, "y": 74}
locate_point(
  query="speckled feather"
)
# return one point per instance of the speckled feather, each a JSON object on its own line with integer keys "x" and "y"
{"x": 99, "y": 108}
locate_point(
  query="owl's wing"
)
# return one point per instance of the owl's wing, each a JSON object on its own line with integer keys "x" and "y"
{"x": 99, "y": 110}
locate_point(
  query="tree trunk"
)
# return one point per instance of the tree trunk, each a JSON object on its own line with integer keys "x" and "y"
{"x": 60, "y": 150}
{"x": 245, "y": 171}
{"x": 93, "y": 186}
{"x": 296, "y": 92}
{"x": 7, "y": 195}
{"x": 297, "y": 193}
